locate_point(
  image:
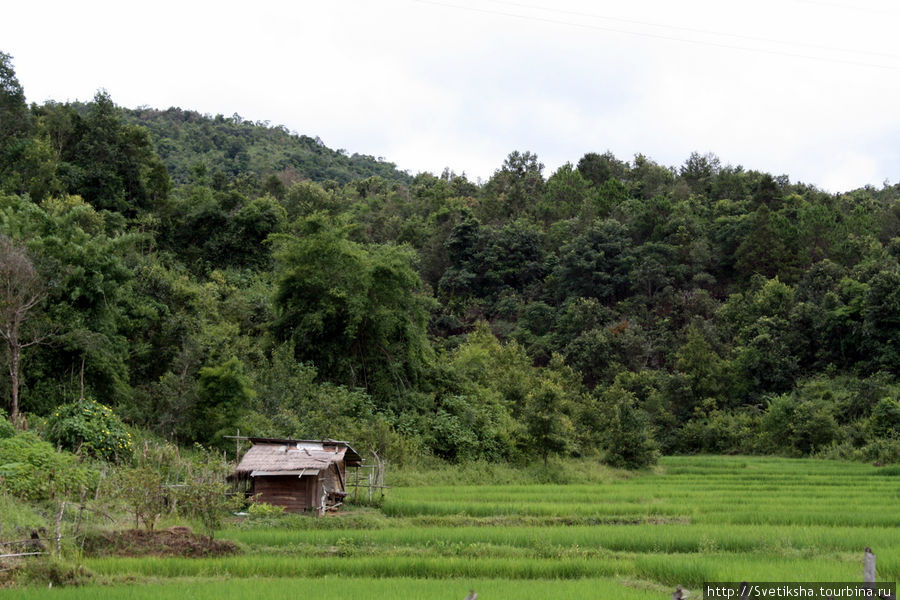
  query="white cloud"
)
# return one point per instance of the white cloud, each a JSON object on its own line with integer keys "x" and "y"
{"x": 803, "y": 87}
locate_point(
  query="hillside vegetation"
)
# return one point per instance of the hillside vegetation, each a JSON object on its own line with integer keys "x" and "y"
{"x": 197, "y": 275}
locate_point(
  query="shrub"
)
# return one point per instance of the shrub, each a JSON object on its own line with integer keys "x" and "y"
{"x": 885, "y": 419}
{"x": 32, "y": 469}
{"x": 6, "y": 428}
{"x": 800, "y": 426}
{"x": 263, "y": 510}
{"x": 719, "y": 431}
{"x": 883, "y": 450}
{"x": 142, "y": 489}
{"x": 626, "y": 438}
{"x": 206, "y": 495}
{"x": 90, "y": 427}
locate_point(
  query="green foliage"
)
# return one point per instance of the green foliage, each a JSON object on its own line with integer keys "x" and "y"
{"x": 33, "y": 470}
{"x": 87, "y": 280}
{"x": 351, "y": 296}
{"x": 142, "y": 489}
{"x": 600, "y": 168}
{"x": 716, "y": 431}
{"x": 91, "y": 428}
{"x": 515, "y": 187}
{"x": 495, "y": 380}
{"x": 469, "y": 427}
{"x": 223, "y": 394}
{"x": 7, "y": 429}
{"x": 262, "y": 510}
{"x": 231, "y": 147}
{"x": 704, "y": 371}
{"x": 885, "y": 419}
{"x": 112, "y": 165}
{"x": 15, "y": 125}
{"x": 596, "y": 263}
{"x": 19, "y": 518}
{"x": 549, "y": 428}
{"x": 53, "y": 571}
{"x": 628, "y": 443}
{"x": 565, "y": 194}
{"x": 206, "y": 495}
{"x": 355, "y": 311}
{"x": 799, "y": 424}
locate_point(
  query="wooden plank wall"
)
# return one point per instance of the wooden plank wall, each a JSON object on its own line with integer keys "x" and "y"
{"x": 295, "y": 494}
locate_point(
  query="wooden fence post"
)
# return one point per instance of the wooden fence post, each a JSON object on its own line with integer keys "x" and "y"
{"x": 869, "y": 567}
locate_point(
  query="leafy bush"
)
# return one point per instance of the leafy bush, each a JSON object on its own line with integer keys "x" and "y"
{"x": 799, "y": 425}
{"x": 264, "y": 510}
{"x": 142, "y": 489}
{"x": 32, "y": 469}
{"x": 6, "y": 428}
{"x": 90, "y": 427}
{"x": 627, "y": 439}
{"x": 206, "y": 496}
{"x": 885, "y": 419}
{"x": 718, "y": 431}
{"x": 882, "y": 451}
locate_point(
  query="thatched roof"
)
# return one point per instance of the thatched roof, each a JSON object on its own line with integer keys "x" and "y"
{"x": 274, "y": 456}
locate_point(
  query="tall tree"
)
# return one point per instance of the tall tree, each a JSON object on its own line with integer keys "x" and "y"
{"x": 547, "y": 420}
{"x": 515, "y": 187}
{"x": 15, "y": 123}
{"x": 599, "y": 168}
{"x": 113, "y": 165}
{"x": 356, "y": 311}
{"x": 14, "y": 116}
{"x": 596, "y": 263}
{"x": 22, "y": 292}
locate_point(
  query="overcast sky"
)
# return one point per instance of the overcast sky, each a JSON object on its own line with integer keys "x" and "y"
{"x": 807, "y": 88}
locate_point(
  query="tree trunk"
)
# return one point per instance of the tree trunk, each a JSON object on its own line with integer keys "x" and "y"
{"x": 21, "y": 291}
{"x": 14, "y": 385}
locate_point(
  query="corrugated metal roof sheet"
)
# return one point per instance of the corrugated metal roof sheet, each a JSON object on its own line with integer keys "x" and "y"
{"x": 299, "y": 473}
{"x": 352, "y": 456}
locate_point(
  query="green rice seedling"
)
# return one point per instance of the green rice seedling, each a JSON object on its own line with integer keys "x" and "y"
{"x": 642, "y": 538}
{"x": 352, "y": 589}
{"x": 367, "y": 566}
{"x": 691, "y": 520}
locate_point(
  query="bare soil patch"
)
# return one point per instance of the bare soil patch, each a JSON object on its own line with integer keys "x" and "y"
{"x": 175, "y": 541}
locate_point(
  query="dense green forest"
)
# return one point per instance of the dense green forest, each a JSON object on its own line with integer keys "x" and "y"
{"x": 201, "y": 275}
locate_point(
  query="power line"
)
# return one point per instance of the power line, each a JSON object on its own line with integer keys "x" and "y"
{"x": 856, "y": 7}
{"x": 701, "y": 31}
{"x": 660, "y": 36}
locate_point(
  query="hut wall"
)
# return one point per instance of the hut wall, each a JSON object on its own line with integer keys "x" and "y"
{"x": 295, "y": 494}
{"x": 329, "y": 479}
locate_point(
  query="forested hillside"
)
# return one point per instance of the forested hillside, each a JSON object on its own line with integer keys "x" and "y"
{"x": 201, "y": 275}
{"x": 226, "y": 149}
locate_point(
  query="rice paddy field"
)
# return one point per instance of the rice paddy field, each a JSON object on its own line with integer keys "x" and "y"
{"x": 630, "y": 536}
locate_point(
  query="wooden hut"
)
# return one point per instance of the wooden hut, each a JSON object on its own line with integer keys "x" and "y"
{"x": 300, "y": 475}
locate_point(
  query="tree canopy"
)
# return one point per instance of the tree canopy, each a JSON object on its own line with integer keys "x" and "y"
{"x": 204, "y": 274}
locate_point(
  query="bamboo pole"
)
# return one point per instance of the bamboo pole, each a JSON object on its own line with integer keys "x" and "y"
{"x": 59, "y": 517}
{"x": 21, "y": 554}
